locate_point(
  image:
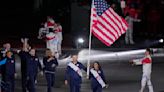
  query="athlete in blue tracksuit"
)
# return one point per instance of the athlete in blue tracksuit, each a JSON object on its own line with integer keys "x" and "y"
{"x": 95, "y": 85}
{"x": 9, "y": 71}
{"x": 50, "y": 63}
{"x": 22, "y": 55}
{"x": 6, "y": 48}
{"x": 32, "y": 69}
{"x": 72, "y": 77}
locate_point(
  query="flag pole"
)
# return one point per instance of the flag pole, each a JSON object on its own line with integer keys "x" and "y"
{"x": 90, "y": 43}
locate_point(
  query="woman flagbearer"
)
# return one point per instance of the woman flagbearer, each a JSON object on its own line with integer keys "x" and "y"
{"x": 97, "y": 78}
{"x": 50, "y": 64}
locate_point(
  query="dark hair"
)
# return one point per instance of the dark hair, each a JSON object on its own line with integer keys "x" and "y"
{"x": 98, "y": 65}
{"x": 149, "y": 50}
{"x": 73, "y": 55}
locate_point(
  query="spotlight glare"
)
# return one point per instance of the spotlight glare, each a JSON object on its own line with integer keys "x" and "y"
{"x": 161, "y": 40}
{"x": 80, "y": 40}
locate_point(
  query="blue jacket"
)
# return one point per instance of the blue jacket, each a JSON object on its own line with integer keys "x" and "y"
{"x": 32, "y": 65}
{"x": 94, "y": 82}
{"x": 48, "y": 66}
{"x": 72, "y": 76}
{"x": 22, "y": 55}
{"x": 10, "y": 67}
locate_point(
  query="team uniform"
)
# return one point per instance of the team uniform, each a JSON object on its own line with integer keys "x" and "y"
{"x": 22, "y": 55}
{"x": 97, "y": 80}
{"x": 2, "y": 67}
{"x": 74, "y": 76}
{"x": 32, "y": 69}
{"x": 10, "y": 74}
{"x": 146, "y": 63}
{"x": 49, "y": 69}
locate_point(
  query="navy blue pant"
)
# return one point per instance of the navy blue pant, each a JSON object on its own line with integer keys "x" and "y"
{"x": 31, "y": 83}
{"x": 74, "y": 87}
{"x": 50, "y": 80}
{"x": 24, "y": 82}
{"x": 97, "y": 88}
{"x": 10, "y": 83}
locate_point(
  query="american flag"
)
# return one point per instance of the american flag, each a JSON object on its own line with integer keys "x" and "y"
{"x": 106, "y": 24}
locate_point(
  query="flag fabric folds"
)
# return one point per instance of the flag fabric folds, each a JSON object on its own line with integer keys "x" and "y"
{"x": 106, "y": 24}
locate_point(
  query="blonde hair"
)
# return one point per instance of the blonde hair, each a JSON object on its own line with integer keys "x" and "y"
{"x": 48, "y": 53}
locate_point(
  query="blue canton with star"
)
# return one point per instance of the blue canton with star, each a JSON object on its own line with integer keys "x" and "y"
{"x": 101, "y": 6}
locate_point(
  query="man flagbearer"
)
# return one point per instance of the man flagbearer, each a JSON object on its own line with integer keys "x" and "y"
{"x": 73, "y": 75}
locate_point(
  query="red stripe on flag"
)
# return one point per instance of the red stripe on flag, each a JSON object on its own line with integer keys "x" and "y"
{"x": 107, "y": 29}
{"x": 104, "y": 35}
{"x": 109, "y": 16}
{"x": 101, "y": 39}
{"x": 109, "y": 24}
{"x": 117, "y": 17}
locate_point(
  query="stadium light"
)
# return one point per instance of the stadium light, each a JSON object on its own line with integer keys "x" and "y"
{"x": 80, "y": 40}
{"x": 161, "y": 40}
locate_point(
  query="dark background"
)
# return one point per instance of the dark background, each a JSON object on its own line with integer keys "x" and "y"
{"x": 22, "y": 18}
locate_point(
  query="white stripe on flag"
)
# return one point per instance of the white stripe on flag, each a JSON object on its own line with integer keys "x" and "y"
{"x": 118, "y": 24}
{"x": 109, "y": 27}
{"x": 102, "y": 36}
{"x": 106, "y": 32}
{"x": 110, "y": 21}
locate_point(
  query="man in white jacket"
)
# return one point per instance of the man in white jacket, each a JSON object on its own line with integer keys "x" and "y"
{"x": 146, "y": 63}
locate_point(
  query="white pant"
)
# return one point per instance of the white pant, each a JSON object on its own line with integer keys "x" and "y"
{"x": 146, "y": 79}
{"x": 129, "y": 36}
{"x": 60, "y": 38}
{"x": 59, "y": 48}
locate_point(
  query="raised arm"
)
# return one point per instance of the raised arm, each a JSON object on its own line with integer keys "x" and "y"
{"x": 137, "y": 61}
